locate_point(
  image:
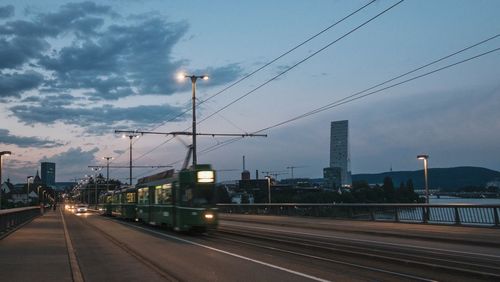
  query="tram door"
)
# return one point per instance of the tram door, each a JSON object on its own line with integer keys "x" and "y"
{"x": 175, "y": 197}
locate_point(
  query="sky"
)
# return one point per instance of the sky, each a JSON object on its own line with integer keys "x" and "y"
{"x": 73, "y": 72}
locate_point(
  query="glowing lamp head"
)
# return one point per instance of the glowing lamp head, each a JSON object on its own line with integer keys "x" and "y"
{"x": 209, "y": 216}
{"x": 205, "y": 176}
{"x": 181, "y": 76}
{"x": 205, "y": 77}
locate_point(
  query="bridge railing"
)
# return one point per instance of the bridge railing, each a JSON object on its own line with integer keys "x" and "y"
{"x": 10, "y": 218}
{"x": 458, "y": 214}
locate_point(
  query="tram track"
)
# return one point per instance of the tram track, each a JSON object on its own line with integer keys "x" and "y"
{"x": 324, "y": 249}
{"x": 150, "y": 264}
{"x": 389, "y": 260}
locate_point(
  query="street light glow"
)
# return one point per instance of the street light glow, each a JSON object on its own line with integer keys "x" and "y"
{"x": 205, "y": 77}
{"x": 181, "y": 76}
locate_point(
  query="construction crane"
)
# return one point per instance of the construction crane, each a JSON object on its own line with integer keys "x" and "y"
{"x": 274, "y": 173}
{"x": 291, "y": 168}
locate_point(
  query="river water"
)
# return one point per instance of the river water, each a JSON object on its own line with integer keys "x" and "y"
{"x": 455, "y": 200}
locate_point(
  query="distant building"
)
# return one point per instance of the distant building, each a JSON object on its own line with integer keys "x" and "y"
{"x": 332, "y": 177}
{"x": 49, "y": 173}
{"x": 339, "y": 150}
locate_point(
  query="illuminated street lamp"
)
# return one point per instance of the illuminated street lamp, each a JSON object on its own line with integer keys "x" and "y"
{"x": 193, "y": 78}
{"x": 425, "y": 158}
{"x": 6, "y": 153}
{"x": 28, "y": 191}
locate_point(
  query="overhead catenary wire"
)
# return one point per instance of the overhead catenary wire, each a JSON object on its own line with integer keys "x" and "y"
{"x": 357, "y": 96}
{"x": 353, "y": 97}
{"x": 270, "y": 62}
{"x": 346, "y": 100}
{"x": 301, "y": 61}
{"x": 248, "y": 76}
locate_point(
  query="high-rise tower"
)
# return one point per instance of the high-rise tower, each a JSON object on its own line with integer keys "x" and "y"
{"x": 48, "y": 173}
{"x": 339, "y": 150}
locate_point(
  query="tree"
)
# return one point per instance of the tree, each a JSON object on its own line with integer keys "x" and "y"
{"x": 221, "y": 195}
{"x": 388, "y": 189}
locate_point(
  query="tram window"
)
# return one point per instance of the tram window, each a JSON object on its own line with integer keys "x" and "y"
{"x": 198, "y": 196}
{"x": 130, "y": 198}
{"x": 163, "y": 194}
{"x": 143, "y": 196}
{"x": 202, "y": 196}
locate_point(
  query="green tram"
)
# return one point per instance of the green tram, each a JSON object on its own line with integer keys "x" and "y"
{"x": 124, "y": 203}
{"x": 183, "y": 201}
{"x": 104, "y": 205}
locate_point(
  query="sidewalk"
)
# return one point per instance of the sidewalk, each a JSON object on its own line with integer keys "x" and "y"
{"x": 487, "y": 236}
{"x": 36, "y": 251}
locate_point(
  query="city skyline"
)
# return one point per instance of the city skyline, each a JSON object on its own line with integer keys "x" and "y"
{"x": 75, "y": 71}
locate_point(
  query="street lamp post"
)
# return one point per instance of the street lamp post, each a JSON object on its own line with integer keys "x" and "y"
{"x": 28, "y": 190}
{"x": 95, "y": 182}
{"x": 193, "y": 87}
{"x": 107, "y": 172}
{"x": 425, "y": 158}
{"x": 268, "y": 189}
{"x": 426, "y": 209}
{"x": 6, "y": 153}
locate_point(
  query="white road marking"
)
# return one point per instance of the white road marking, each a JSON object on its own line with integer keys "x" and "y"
{"x": 75, "y": 268}
{"x": 230, "y": 254}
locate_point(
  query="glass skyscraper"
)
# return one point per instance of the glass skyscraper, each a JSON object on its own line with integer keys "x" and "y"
{"x": 339, "y": 150}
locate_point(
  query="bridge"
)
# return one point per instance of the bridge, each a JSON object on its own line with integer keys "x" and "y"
{"x": 256, "y": 243}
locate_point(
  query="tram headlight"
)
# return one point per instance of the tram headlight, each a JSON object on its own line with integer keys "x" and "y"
{"x": 205, "y": 176}
{"x": 209, "y": 216}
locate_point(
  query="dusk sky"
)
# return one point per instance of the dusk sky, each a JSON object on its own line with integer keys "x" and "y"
{"x": 74, "y": 72}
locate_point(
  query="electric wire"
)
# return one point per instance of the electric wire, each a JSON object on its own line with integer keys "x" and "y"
{"x": 301, "y": 61}
{"x": 346, "y": 100}
{"x": 248, "y": 76}
{"x": 272, "y": 61}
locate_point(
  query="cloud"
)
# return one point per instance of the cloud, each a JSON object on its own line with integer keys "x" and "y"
{"x": 12, "y": 85}
{"x": 26, "y": 142}
{"x": 78, "y": 49}
{"x": 52, "y": 100}
{"x": 96, "y": 120}
{"x": 121, "y": 60}
{"x": 6, "y": 11}
{"x": 19, "y": 50}
{"x": 72, "y": 163}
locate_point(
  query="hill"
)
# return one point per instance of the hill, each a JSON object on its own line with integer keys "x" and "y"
{"x": 447, "y": 179}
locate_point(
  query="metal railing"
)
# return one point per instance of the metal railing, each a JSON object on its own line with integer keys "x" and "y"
{"x": 10, "y": 218}
{"x": 458, "y": 214}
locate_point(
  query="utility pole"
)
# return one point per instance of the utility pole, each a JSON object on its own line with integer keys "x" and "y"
{"x": 107, "y": 172}
{"x": 95, "y": 182}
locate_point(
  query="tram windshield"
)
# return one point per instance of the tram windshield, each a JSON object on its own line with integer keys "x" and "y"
{"x": 200, "y": 196}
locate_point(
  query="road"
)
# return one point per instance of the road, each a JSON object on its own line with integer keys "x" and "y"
{"x": 112, "y": 250}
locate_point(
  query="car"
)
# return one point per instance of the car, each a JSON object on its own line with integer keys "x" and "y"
{"x": 81, "y": 208}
